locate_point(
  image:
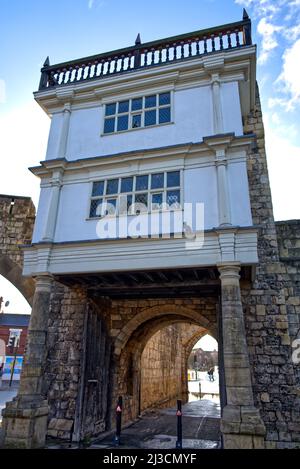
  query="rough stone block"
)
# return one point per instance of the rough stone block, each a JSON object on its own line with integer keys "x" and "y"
{"x": 232, "y": 441}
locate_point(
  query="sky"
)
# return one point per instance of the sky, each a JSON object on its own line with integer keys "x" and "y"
{"x": 30, "y": 30}
{"x": 207, "y": 343}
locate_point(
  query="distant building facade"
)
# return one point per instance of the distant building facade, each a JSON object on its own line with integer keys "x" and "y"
{"x": 202, "y": 360}
{"x": 13, "y": 336}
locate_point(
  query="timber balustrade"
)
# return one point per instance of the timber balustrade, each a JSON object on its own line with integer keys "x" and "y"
{"x": 163, "y": 51}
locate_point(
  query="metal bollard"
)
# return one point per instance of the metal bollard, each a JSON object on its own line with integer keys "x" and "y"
{"x": 118, "y": 421}
{"x": 179, "y": 425}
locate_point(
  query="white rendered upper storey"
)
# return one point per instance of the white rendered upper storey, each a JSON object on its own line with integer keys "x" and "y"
{"x": 154, "y": 123}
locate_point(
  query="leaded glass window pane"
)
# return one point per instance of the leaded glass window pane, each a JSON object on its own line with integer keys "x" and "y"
{"x": 109, "y": 125}
{"x": 129, "y": 201}
{"x": 98, "y": 187}
{"x": 112, "y": 186}
{"x": 141, "y": 199}
{"x": 125, "y": 203}
{"x": 137, "y": 104}
{"x": 110, "y": 207}
{"x": 173, "y": 198}
{"x": 122, "y": 122}
{"x": 164, "y": 115}
{"x": 157, "y": 200}
{"x": 173, "y": 179}
{"x": 126, "y": 184}
{"x": 141, "y": 183}
{"x": 164, "y": 98}
{"x": 123, "y": 106}
{"x": 150, "y": 118}
{"x": 95, "y": 209}
{"x": 150, "y": 101}
{"x": 136, "y": 121}
{"x": 157, "y": 181}
{"x": 110, "y": 109}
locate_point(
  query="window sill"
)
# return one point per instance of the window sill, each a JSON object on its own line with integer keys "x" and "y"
{"x": 136, "y": 128}
{"x": 131, "y": 216}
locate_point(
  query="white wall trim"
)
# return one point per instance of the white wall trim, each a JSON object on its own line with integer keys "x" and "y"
{"x": 239, "y": 245}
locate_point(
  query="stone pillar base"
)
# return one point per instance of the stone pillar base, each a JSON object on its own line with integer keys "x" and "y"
{"x": 235, "y": 441}
{"x": 25, "y": 423}
{"x": 242, "y": 427}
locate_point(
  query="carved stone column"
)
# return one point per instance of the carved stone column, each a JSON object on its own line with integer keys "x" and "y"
{"x": 241, "y": 424}
{"x": 64, "y": 131}
{"x": 25, "y": 418}
{"x": 53, "y": 207}
{"x": 223, "y": 190}
{"x": 217, "y": 106}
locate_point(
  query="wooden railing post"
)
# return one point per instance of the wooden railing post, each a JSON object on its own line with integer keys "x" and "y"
{"x": 44, "y": 75}
{"x": 137, "y": 53}
{"x": 247, "y": 29}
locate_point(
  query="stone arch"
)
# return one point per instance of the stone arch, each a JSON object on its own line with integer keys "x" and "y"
{"x": 13, "y": 273}
{"x": 181, "y": 312}
{"x": 17, "y": 216}
{"x": 130, "y": 343}
{"x": 189, "y": 344}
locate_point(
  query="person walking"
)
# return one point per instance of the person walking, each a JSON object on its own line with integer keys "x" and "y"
{"x": 211, "y": 374}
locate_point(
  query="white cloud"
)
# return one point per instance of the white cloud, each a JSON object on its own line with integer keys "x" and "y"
{"x": 292, "y": 33}
{"x": 97, "y": 3}
{"x": 262, "y": 7}
{"x": 275, "y": 118}
{"x": 289, "y": 78}
{"x": 284, "y": 170}
{"x": 268, "y": 32}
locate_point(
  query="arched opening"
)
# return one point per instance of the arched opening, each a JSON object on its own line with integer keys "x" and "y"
{"x": 12, "y": 273}
{"x": 18, "y": 303}
{"x": 203, "y": 370}
{"x": 151, "y": 355}
{"x": 163, "y": 366}
{"x": 14, "y": 319}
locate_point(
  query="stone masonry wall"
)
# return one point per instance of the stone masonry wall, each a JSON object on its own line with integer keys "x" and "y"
{"x": 164, "y": 365}
{"x": 268, "y": 301}
{"x": 17, "y": 216}
{"x": 64, "y": 360}
{"x": 86, "y": 371}
{"x": 161, "y": 372}
{"x": 288, "y": 235}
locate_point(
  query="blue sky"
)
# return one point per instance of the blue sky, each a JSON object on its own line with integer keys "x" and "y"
{"x": 66, "y": 29}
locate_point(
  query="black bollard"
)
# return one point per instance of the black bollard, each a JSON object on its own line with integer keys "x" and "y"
{"x": 179, "y": 425}
{"x": 118, "y": 421}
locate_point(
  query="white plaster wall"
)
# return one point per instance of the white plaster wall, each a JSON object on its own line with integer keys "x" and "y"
{"x": 239, "y": 194}
{"x": 41, "y": 216}
{"x": 200, "y": 185}
{"x": 192, "y": 117}
{"x": 231, "y": 108}
{"x": 54, "y": 136}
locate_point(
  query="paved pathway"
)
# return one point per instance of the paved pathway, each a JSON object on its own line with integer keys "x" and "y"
{"x": 157, "y": 429}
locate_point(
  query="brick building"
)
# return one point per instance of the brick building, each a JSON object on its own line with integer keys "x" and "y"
{"x": 14, "y": 327}
{"x": 203, "y": 360}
